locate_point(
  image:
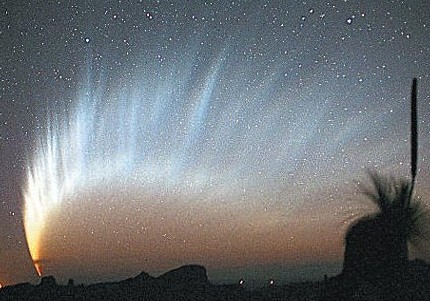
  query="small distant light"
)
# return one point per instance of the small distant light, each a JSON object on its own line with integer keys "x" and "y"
{"x": 271, "y": 282}
{"x": 241, "y": 281}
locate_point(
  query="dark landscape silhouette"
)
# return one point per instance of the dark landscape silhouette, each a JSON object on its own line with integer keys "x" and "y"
{"x": 376, "y": 245}
{"x": 190, "y": 282}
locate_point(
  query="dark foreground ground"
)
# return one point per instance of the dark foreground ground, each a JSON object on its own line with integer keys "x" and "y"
{"x": 191, "y": 283}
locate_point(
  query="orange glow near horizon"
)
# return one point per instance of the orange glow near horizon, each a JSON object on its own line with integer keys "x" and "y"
{"x": 117, "y": 248}
{"x": 38, "y": 267}
{"x": 33, "y": 226}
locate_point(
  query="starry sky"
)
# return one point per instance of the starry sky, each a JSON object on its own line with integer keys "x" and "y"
{"x": 143, "y": 135}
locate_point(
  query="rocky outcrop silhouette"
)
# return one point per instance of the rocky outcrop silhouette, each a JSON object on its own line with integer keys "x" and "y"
{"x": 191, "y": 283}
{"x": 48, "y": 282}
{"x": 190, "y": 275}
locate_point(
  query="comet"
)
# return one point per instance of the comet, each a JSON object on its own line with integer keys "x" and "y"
{"x": 75, "y": 151}
{"x": 195, "y": 128}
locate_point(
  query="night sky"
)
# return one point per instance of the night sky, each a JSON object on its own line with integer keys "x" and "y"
{"x": 144, "y": 135}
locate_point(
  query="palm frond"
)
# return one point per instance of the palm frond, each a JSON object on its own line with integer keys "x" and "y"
{"x": 387, "y": 193}
{"x": 379, "y": 192}
{"x": 392, "y": 196}
{"x": 400, "y": 194}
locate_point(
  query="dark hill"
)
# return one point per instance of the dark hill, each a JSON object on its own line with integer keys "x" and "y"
{"x": 193, "y": 275}
{"x": 190, "y": 282}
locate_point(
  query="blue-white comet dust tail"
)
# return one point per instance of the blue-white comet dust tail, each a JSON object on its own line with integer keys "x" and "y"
{"x": 87, "y": 149}
{"x": 207, "y": 130}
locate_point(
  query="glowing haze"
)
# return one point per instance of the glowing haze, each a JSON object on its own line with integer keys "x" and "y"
{"x": 174, "y": 137}
{"x": 86, "y": 149}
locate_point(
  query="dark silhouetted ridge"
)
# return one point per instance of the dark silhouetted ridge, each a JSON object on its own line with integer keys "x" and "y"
{"x": 48, "y": 281}
{"x": 187, "y": 275}
{"x": 191, "y": 283}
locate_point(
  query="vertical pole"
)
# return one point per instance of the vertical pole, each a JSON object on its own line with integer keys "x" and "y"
{"x": 414, "y": 137}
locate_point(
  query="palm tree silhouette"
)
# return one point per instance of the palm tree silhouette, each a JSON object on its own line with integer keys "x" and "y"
{"x": 377, "y": 245}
